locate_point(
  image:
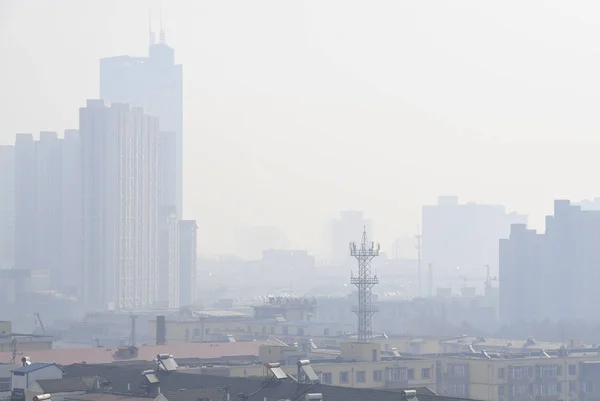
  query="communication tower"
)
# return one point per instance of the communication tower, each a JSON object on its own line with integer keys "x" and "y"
{"x": 364, "y": 282}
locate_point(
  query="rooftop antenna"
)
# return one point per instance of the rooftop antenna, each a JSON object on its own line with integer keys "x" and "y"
{"x": 151, "y": 35}
{"x": 364, "y": 282}
{"x": 162, "y": 38}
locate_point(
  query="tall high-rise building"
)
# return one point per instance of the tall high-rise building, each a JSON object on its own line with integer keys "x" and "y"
{"x": 72, "y": 215}
{"x": 343, "y": 231}
{"x": 168, "y": 259}
{"x": 461, "y": 239}
{"x": 187, "y": 262}
{"x": 120, "y": 216}
{"x": 156, "y": 84}
{"x": 49, "y": 206}
{"x": 552, "y": 275}
{"x": 7, "y": 207}
{"x": 25, "y": 202}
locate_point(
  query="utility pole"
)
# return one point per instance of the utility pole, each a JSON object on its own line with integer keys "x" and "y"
{"x": 419, "y": 259}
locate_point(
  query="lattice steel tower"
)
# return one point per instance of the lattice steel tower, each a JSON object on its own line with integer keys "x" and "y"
{"x": 364, "y": 282}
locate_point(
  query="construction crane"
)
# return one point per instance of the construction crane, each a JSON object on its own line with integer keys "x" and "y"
{"x": 489, "y": 278}
{"x": 39, "y": 319}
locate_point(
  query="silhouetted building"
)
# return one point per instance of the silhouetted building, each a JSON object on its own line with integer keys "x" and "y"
{"x": 346, "y": 229}
{"x": 552, "y": 275}
{"x": 156, "y": 84}
{"x": 7, "y": 207}
{"x": 168, "y": 259}
{"x": 187, "y": 262}
{"x": 25, "y": 202}
{"x": 72, "y": 214}
{"x": 120, "y": 214}
{"x": 462, "y": 239}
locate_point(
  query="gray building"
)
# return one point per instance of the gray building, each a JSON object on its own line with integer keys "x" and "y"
{"x": 168, "y": 259}
{"x": 460, "y": 239}
{"x": 347, "y": 228}
{"x": 25, "y": 202}
{"x": 187, "y": 262}
{"x": 7, "y": 207}
{"x": 552, "y": 274}
{"x": 120, "y": 214}
{"x": 154, "y": 83}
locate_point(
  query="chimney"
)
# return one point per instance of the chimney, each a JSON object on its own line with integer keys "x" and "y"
{"x": 161, "y": 330}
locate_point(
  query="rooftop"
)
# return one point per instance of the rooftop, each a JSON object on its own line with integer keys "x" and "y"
{"x": 67, "y": 384}
{"x": 67, "y": 356}
{"x": 32, "y": 368}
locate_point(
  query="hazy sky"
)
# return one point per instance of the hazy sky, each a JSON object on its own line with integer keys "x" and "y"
{"x": 295, "y": 110}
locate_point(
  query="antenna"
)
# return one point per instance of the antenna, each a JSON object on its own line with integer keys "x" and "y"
{"x": 162, "y": 35}
{"x": 419, "y": 258}
{"x": 364, "y": 282}
{"x": 150, "y": 33}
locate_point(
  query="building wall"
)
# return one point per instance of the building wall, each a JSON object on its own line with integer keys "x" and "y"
{"x": 120, "y": 215}
{"x": 7, "y": 207}
{"x": 168, "y": 259}
{"x": 25, "y": 202}
{"x": 187, "y": 262}
{"x": 23, "y": 382}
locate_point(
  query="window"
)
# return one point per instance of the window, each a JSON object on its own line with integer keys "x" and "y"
{"x": 500, "y": 391}
{"x": 4, "y": 383}
{"x": 343, "y": 377}
{"x": 456, "y": 371}
{"x": 500, "y": 373}
{"x": 415, "y": 348}
{"x": 588, "y": 387}
{"x": 425, "y": 373}
{"x": 300, "y": 331}
{"x": 326, "y": 332}
{"x": 411, "y": 374}
{"x": 459, "y": 390}
{"x": 521, "y": 372}
{"x": 519, "y": 391}
{"x": 377, "y": 375}
{"x": 285, "y": 330}
{"x": 326, "y": 378}
{"x": 571, "y": 389}
{"x": 572, "y": 370}
{"x": 547, "y": 371}
{"x": 548, "y": 389}
{"x": 361, "y": 376}
{"x": 397, "y": 374}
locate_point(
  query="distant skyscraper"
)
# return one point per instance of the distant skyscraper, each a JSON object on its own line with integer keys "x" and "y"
{"x": 49, "y": 207}
{"x": 72, "y": 215}
{"x": 7, "y": 207}
{"x": 168, "y": 259}
{"x": 344, "y": 230}
{"x": 464, "y": 236}
{"x": 552, "y": 275}
{"x": 120, "y": 214}
{"x": 187, "y": 262}
{"x": 156, "y": 84}
{"x": 25, "y": 202}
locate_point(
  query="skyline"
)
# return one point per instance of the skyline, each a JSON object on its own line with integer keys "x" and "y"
{"x": 236, "y": 109}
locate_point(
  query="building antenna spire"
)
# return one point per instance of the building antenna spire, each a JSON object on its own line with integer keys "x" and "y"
{"x": 162, "y": 37}
{"x": 151, "y": 36}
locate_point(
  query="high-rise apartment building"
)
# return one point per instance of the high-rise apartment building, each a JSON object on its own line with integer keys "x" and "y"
{"x": 347, "y": 228}
{"x": 154, "y": 83}
{"x": 187, "y": 262}
{"x": 552, "y": 274}
{"x": 461, "y": 239}
{"x": 25, "y": 202}
{"x": 72, "y": 214}
{"x": 7, "y": 207}
{"x": 120, "y": 214}
{"x": 168, "y": 259}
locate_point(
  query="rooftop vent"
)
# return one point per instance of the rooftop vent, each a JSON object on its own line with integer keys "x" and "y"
{"x": 408, "y": 394}
{"x": 42, "y": 397}
{"x": 396, "y": 353}
{"x": 313, "y": 396}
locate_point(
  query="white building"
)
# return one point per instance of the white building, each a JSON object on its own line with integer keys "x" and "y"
{"x": 168, "y": 258}
{"x": 26, "y": 376}
{"x": 120, "y": 215}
